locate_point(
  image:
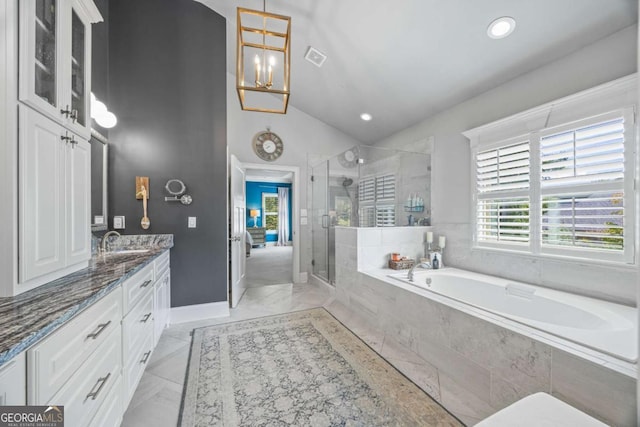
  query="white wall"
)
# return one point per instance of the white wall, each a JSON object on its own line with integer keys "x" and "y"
{"x": 306, "y": 141}
{"x": 605, "y": 60}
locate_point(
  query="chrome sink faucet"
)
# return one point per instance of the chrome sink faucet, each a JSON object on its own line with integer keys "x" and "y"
{"x": 103, "y": 244}
{"x": 424, "y": 265}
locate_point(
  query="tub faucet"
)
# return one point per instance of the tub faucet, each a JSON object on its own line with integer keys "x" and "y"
{"x": 424, "y": 265}
{"x": 103, "y": 244}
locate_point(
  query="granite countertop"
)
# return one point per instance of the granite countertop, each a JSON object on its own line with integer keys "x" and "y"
{"x": 32, "y": 315}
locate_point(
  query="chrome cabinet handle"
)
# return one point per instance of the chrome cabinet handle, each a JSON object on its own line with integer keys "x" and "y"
{"x": 66, "y": 112}
{"x": 101, "y": 328}
{"x": 74, "y": 115}
{"x": 146, "y": 317}
{"x": 145, "y": 357}
{"x": 100, "y": 384}
{"x": 145, "y": 284}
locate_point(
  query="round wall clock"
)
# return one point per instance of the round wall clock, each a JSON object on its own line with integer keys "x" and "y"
{"x": 267, "y": 145}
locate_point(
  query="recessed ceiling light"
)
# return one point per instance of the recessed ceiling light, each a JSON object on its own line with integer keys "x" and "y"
{"x": 366, "y": 117}
{"x": 501, "y": 27}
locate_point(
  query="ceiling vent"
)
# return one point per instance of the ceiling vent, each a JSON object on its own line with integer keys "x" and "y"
{"x": 314, "y": 56}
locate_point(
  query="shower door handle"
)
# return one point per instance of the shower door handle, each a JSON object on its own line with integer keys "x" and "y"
{"x": 325, "y": 224}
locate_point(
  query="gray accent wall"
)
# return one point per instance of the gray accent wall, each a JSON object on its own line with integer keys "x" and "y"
{"x": 167, "y": 86}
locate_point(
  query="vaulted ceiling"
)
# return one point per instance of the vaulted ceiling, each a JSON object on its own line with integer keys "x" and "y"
{"x": 407, "y": 60}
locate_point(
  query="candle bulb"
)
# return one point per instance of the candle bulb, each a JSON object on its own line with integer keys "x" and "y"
{"x": 270, "y": 76}
{"x": 441, "y": 241}
{"x": 429, "y": 236}
{"x": 257, "y": 69}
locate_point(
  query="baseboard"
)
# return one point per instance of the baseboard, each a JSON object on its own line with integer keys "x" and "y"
{"x": 192, "y": 313}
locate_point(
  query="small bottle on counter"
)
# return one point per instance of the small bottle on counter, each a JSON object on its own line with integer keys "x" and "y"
{"x": 436, "y": 262}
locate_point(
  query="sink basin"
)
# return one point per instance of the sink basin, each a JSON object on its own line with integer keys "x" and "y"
{"x": 128, "y": 251}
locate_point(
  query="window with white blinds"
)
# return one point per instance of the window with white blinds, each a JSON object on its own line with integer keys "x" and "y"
{"x": 504, "y": 168}
{"x": 583, "y": 186}
{"x": 376, "y": 196}
{"x": 502, "y": 191}
{"x": 579, "y": 201}
{"x": 588, "y": 154}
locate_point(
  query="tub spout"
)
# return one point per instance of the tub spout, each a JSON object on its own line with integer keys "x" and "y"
{"x": 424, "y": 265}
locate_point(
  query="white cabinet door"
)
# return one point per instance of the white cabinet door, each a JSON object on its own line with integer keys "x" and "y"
{"x": 55, "y": 58}
{"x": 161, "y": 304}
{"x": 13, "y": 388}
{"x": 78, "y": 183}
{"x": 77, "y": 74}
{"x": 41, "y": 62}
{"x": 42, "y": 195}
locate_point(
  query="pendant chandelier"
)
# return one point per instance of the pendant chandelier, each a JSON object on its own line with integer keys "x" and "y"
{"x": 263, "y": 60}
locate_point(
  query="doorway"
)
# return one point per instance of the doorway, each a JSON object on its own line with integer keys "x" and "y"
{"x": 272, "y": 254}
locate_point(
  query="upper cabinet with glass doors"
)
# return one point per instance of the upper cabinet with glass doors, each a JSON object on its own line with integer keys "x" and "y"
{"x": 55, "y": 60}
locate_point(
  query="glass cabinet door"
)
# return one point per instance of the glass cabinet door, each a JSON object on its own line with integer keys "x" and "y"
{"x": 45, "y": 51}
{"x": 78, "y": 70}
{"x": 55, "y": 57}
{"x": 40, "y": 66}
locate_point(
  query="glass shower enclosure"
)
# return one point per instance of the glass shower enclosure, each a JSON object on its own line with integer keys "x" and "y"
{"x": 366, "y": 187}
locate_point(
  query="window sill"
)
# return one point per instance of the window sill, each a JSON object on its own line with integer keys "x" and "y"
{"x": 558, "y": 258}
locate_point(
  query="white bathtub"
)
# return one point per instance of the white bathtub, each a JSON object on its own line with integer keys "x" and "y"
{"x": 600, "y": 325}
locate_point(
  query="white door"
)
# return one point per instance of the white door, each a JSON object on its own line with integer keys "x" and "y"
{"x": 237, "y": 232}
{"x": 42, "y": 195}
{"x": 78, "y": 177}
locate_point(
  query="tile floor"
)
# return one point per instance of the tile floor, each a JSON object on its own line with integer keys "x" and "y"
{"x": 157, "y": 399}
{"x": 271, "y": 265}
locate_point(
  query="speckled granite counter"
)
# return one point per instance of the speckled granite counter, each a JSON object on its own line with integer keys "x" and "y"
{"x": 29, "y": 317}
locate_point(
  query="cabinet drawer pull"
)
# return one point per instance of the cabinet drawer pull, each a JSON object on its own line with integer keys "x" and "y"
{"x": 146, "y": 283}
{"x": 146, "y": 317}
{"x": 145, "y": 357}
{"x": 101, "y": 328}
{"x": 101, "y": 382}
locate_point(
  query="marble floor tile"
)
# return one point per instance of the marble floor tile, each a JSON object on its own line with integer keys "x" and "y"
{"x": 160, "y": 405}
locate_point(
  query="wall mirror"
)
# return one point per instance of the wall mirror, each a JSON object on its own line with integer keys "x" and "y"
{"x": 99, "y": 170}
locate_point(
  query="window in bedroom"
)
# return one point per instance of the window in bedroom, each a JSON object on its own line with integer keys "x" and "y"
{"x": 270, "y": 209}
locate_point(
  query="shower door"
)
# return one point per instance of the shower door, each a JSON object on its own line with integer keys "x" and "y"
{"x": 320, "y": 220}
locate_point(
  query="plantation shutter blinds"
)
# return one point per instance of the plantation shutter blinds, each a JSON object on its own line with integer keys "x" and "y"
{"x": 377, "y": 201}
{"x": 502, "y": 191}
{"x": 582, "y": 186}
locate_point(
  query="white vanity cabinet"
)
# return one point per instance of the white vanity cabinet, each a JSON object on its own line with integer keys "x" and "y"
{"x": 13, "y": 387}
{"x": 55, "y": 198}
{"x": 80, "y": 364}
{"x": 137, "y": 327}
{"x": 55, "y": 60}
{"x": 162, "y": 295}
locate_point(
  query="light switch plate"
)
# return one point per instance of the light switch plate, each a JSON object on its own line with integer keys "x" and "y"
{"x": 303, "y": 212}
{"x": 192, "y": 222}
{"x": 303, "y": 220}
{"x": 118, "y": 222}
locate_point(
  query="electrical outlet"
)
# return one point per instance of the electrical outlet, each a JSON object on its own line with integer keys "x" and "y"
{"x": 192, "y": 222}
{"x": 118, "y": 222}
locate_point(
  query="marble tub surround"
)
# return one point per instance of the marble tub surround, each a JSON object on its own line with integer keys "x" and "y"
{"x": 475, "y": 364}
{"x": 375, "y": 245}
{"x": 32, "y": 315}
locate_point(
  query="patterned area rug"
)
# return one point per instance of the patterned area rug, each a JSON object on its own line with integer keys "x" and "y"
{"x": 298, "y": 369}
